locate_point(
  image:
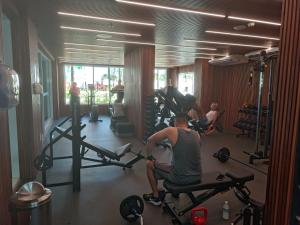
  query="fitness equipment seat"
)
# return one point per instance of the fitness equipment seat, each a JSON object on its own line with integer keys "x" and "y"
{"x": 212, "y": 184}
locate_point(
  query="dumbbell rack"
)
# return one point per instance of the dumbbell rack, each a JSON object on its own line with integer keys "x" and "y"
{"x": 149, "y": 117}
{"x": 247, "y": 121}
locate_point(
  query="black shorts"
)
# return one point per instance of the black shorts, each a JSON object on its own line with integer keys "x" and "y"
{"x": 162, "y": 171}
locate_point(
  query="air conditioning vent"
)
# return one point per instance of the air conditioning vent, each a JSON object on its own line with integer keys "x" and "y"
{"x": 229, "y": 60}
{"x": 256, "y": 54}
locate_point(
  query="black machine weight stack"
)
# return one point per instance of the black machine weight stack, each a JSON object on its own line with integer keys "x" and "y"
{"x": 149, "y": 117}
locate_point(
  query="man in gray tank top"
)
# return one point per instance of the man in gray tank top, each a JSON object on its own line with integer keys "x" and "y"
{"x": 186, "y": 162}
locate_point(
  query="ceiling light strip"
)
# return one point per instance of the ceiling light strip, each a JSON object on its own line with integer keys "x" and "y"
{"x": 242, "y": 35}
{"x": 91, "y": 50}
{"x": 148, "y": 43}
{"x": 254, "y": 20}
{"x": 194, "y": 53}
{"x": 100, "y": 31}
{"x": 94, "y": 46}
{"x": 128, "y": 42}
{"x": 180, "y": 46}
{"x": 88, "y": 53}
{"x": 171, "y": 8}
{"x": 105, "y": 19}
{"x": 228, "y": 43}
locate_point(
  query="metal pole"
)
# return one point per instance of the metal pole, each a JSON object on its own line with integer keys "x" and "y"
{"x": 109, "y": 93}
{"x": 259, "y": 103}
{"x": 76, "y": 142}
{"x": 269, "y": 110}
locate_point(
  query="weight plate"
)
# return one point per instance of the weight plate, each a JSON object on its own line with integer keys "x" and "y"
{"x": 131, "y": 207}
{"x": 42, "y": 162}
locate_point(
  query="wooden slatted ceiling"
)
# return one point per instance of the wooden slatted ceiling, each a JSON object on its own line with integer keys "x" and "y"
{"x": 286, "y": 120}
{"x": 171, "y": 27}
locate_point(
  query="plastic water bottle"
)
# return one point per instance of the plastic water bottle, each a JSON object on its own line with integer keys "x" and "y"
{"x": 225, "y": 214}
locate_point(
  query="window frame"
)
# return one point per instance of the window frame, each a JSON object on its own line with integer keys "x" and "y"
{"x": 93, "y": 66}
{"x": 156, "y": 69}
{"x": 178, "y": 80}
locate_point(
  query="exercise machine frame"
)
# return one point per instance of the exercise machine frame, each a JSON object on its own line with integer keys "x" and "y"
{"x": 263, "y": 59}
{"x": 81, "y": 147}
{"x": 226, "y": 182}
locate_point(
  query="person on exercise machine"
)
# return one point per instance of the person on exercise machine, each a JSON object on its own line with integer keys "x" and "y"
{"x": 210, "y": 117}
{"x": 186, "y": 162}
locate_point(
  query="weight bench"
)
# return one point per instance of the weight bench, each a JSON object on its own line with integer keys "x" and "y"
{"x": 212, "y": 184}
{"x": 107, "y": 157}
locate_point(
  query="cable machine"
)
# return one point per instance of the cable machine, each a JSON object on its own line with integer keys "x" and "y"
{"x": 265, "y": 59}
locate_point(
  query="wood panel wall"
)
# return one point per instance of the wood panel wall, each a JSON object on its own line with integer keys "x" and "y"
{"x": 203, "y": 84}
{"x": 138, "y": 82}
{"x": 185, "y": 69}
{"x": 29, "y": 121}
{"x": 286, "y": 120}
{"x": 231, "y": 90}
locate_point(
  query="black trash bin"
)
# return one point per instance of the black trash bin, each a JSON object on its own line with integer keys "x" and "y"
{"x": 33, "y": 200}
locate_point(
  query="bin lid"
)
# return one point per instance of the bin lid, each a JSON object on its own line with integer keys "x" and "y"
{"x": 30, "y": 195}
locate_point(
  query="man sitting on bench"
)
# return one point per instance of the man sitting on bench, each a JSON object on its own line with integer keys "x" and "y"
{"x": 186, "y": 161}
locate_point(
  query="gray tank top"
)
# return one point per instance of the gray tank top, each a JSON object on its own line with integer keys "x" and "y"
{"x": 186, "y": 162}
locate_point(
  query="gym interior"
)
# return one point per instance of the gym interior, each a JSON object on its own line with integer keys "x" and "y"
{"x": 85, "y": 86}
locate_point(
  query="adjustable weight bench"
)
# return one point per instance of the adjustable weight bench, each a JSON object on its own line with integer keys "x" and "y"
{"x": 107, "y": 157}
{"x": 212, "y": 184}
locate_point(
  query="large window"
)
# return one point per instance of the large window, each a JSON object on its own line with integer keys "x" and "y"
{"x": 160, "y": 78}
{"x": 45, "y": 72}
{"x": 186, "y": 83}
{"x": 12, "y": 113}
{"x": 94, "y": 82}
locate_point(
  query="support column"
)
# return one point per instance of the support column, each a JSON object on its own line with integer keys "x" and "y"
{"x": 285, "y": 127}
{"x": 203, "y": 83}
{"x": 138, "y": 82}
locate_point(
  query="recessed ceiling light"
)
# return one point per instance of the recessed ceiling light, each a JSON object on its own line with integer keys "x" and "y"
{"x": 171, "y": 8}
{"x": 94, "y": 46}
{"x": 242, "y": 35}
{"x": 90, "y": 50}
{"x": 100, "y": 31}
{"x": 228, "y": 43}
{"x": 106, "y": 19}
{"x": 255, "y": 20}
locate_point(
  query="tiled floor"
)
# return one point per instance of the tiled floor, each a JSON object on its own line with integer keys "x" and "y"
{"x": 102, "y": 189}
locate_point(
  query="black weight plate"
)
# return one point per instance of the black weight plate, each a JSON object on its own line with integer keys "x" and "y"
{"x": 42, "y": 162}
{"x": 131, "y": 207}
{"x": 223, "y": 154}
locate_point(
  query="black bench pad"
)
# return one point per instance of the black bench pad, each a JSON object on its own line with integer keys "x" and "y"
{"x": 213, "y": 180}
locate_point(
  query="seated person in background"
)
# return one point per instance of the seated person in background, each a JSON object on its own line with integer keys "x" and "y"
{"x": 186, "y": 162}
{"x": 210, "y": 117}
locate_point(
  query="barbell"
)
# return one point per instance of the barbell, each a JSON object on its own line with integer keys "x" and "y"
{"x": 223, "y": 155}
